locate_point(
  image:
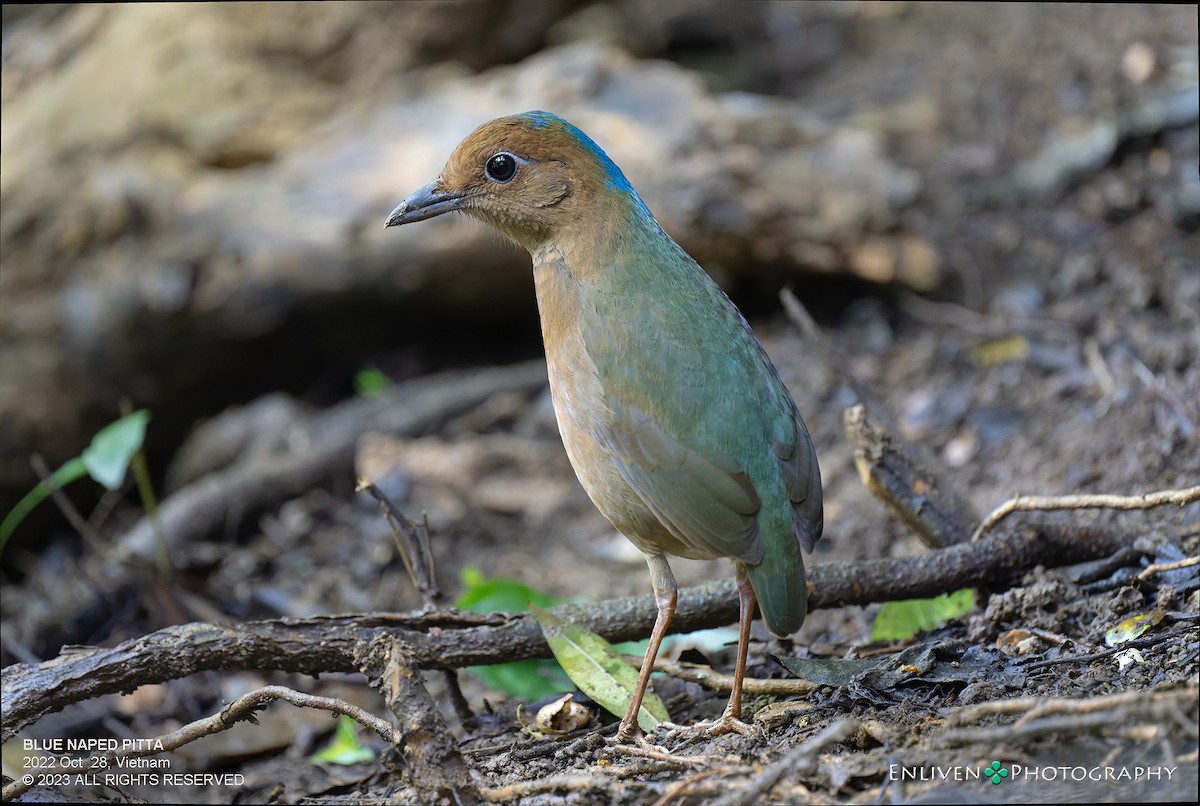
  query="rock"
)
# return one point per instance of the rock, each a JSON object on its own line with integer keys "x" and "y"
{"x": 195, "y": 194}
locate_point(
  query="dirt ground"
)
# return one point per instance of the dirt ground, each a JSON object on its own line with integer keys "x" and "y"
{"x": 1062, "y": 357}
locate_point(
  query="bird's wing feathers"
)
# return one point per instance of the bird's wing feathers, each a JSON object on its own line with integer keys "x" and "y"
{"x": 699, "y": 420}
{"x": 802, "y": 477}
{"x": 706, "y": 501}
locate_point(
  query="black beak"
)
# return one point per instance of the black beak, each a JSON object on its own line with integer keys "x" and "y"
{"x": 427, "y": 202}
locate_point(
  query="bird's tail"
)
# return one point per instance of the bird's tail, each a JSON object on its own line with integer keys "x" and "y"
{"x": 781, "y": 590}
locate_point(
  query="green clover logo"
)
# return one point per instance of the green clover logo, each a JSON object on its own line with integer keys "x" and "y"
{"x": 995, "y": 772}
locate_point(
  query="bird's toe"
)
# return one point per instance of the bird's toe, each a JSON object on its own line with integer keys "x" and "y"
{"x": 634, "y": 742}
{"x": 726, "y": 723}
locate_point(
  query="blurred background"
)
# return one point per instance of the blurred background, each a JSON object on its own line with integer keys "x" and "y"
{"x": 992, "y": 209}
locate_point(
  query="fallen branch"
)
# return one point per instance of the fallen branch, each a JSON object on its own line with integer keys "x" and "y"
{"x": 1136, "y": 643}
{"x": 425, "y": 748}
{"x": 325, "y": 451}
{"x": 801, "y": 759}
{"x": 933, "y": 513}
{"x": 1037, "y": 503}
{"x": 715, "y": 681}
{"x": 570, "y": 784}
{"x": 888, "y": 467}
{"x": 1069, "y": 716}
{"x": 448, "y": 640}
{"x": 662, "y": 756}
{"x": 677, "y": 790}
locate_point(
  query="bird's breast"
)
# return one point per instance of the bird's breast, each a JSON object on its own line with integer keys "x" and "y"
{"x": 574, "y": 382}
{"x": 582, "y": 411}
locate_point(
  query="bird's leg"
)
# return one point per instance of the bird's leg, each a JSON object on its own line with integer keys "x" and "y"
{"x": 731, "y": 720}
{"x": 665, "y": 592}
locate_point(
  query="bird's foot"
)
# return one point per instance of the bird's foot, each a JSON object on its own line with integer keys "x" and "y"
{"x": 633, "y": 742}
{"x": 729, "y": 724}
{"x": 726, "y": 723}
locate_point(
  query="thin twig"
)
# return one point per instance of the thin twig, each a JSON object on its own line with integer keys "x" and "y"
{"x": 462, "y": 708}
{"x": 1066, "y": 706}
{"x": 1156, "y": 386}
{"x": 1167, "y": 395}
{"x": 243, "y": 708}
{"x": 811, "y": 331}
{"x": 1069, "y": 715}
{"x": 660, "y": 755}
{"x": 715, "y": 681}
{"x": 66, "y": 507}
{"x": 1060, "y": 640}
{"x": 17, "y": 649}
{"x": 1103, "y": 375}
{"x": 973, "y": 714}
{"x": 1156, "y": 568}
{"x": 1068, "y": 725}
{"x": 1136, "y": 643}
{"x": 1034, "y": 503}
{"x": 412, "y": 543}
{"x": 541, "y": 786}
{"x": 799, "y": 760}
{"x": 980, "y": 324}
{"x": 680, "y": 788}
{"x": 1034, "y": 707}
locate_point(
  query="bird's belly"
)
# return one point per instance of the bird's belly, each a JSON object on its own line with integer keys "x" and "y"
{"x": 581, "y": 411}
{"x": 576, "y": 406}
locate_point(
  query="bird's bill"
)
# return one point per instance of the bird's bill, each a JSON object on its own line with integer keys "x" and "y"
{"x": 427, "y": 202}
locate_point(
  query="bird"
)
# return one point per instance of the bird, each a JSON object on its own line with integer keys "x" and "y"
{"x": 673, "y": 417}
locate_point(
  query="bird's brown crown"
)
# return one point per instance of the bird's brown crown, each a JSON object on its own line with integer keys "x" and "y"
{"x": 534, "y": 174}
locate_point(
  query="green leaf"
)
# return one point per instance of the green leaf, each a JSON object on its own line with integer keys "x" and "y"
{"x": 498, "y": 595}
{"x": 899, "y": 621}
{"x": 528, "y": 680}
{"x": 597, "y": 669}
{"x": 107, "y": 458}
{"x": 344, "y": 748}
{"x": 1133, "y": 627}
{"x": 371, "y": 382}
{"x": 69, "y": 472}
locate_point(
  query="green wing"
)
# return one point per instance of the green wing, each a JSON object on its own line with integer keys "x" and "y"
{"x": 701, "y": 428}
{"x": 705, "y": 499}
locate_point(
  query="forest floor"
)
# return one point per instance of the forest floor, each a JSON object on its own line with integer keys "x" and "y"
{"x": 1069, "y": 364}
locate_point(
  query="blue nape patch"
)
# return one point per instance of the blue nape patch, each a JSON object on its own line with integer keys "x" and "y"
{"x": 540, "y": 120}
{"x": 612, "y": 174}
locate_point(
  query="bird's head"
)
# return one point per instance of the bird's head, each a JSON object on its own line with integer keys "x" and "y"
{"x": 530, "y": 176}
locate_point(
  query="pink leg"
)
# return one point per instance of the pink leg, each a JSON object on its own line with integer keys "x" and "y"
{"x": 665, "y": 592}
{"x": 733, "y": 711}
{"x": 731, "y": 720}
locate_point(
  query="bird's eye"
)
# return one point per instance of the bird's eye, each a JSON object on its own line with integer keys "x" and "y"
{"x": 501, "y": 167}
